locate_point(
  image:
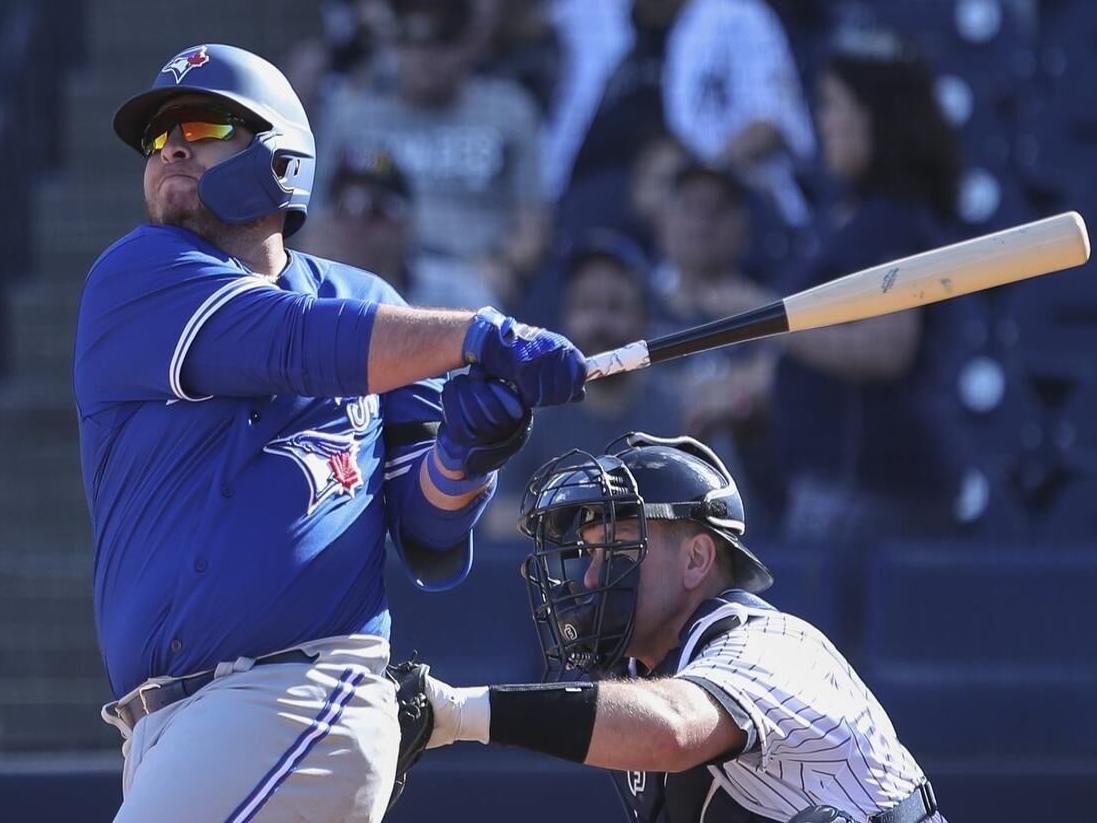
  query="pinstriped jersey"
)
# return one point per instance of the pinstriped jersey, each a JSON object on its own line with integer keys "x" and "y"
{"x": 815, "y": 733}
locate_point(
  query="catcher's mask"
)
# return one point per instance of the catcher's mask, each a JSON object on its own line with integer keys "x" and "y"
{"x": 571, "y": 508}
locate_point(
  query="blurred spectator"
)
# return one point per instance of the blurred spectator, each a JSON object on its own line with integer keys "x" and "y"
{"x": 630, "y": 108}
{"x": 703, "y": 234}
{"x": 652, "y": 184}
{"x": 520, "y": 44}
{"x": 606, "y": 304}
{"x": 630, "y": 201}
{"x": 717, "y": 73}
{"x": 860, "y": 412}
{"x": 369, "y": 225}
{"x": 704, "y": 228}
{"x": 733, "y": 95}
{"x": 34, "y": 56}
{"x": 351, "y": 51}
{"x": 469, "y": 145}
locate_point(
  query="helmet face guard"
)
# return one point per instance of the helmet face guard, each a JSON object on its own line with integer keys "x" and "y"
{"x": 572, "y": 509}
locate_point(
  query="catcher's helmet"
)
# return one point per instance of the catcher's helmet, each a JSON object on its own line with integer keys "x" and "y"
{"x": 639, "y": 477}
{"x": 274, "y": 173}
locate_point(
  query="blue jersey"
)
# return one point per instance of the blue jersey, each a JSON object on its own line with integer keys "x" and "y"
{"x": 240, "y": 482}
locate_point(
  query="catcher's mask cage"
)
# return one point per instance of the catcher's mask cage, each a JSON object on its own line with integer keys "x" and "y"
{"x": 571, "y": 509}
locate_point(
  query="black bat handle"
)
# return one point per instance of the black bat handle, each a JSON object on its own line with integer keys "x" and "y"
{"x": 755, "y": 324}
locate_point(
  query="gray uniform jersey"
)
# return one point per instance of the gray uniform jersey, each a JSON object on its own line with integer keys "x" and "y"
{"x": 816, "y": 733}
{"x": 470, "y": 163}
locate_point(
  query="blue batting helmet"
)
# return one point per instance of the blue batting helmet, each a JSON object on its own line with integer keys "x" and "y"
{"x": 275, "y": 172}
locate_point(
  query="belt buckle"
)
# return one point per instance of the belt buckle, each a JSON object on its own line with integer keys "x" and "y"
{"x": 141, "y": 696}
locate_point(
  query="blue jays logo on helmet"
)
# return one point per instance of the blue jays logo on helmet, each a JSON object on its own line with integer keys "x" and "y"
{"x": 184, "y": 62}
{"x": 274, "y": 173}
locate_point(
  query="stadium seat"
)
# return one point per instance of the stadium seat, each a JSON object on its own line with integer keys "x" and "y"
{"x": 983, "y": 606}
{"x": 1072, "y": 519}
{"x": 1080, "y": 422}
{"x": 808, "y": 585}
{"x": 968, "y": 647}
{"x": 470, "y": 783}
{"x": 1014, "y": 790}
{"x": 969, "y": 711}
{"x": 1056, "y": 318}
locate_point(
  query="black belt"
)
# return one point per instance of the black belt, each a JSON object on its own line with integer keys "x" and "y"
{"x": 917, "y": 806}
{"x": 154, "y": 696}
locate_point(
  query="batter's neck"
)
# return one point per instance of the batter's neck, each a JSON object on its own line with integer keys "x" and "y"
{"x": 258, "y": 246}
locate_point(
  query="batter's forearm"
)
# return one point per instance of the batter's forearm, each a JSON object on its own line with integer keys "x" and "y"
{"x": 408, "y": 345}
{"x": 430, "y": 519}
{"x": 439, "y": 498}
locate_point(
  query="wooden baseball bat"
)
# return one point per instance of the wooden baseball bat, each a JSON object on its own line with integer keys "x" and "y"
{"x": 1016, "y": 253}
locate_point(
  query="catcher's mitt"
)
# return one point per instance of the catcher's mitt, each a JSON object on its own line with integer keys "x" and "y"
{"x": 415, "y": 714}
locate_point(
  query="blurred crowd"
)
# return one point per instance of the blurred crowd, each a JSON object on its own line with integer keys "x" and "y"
{"x": 624, "y": 168}
{"x": 621, "y": 169}
{"x": 35, "y": 56}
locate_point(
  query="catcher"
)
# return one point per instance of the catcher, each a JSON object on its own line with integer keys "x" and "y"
{"x": 706, "y": 702}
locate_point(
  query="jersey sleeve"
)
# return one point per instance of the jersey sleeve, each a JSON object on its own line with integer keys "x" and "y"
{"x": 144, "y": 302}
{"x": 411, "y": 417}
{"x": 764, "y": 671}
{"x": 166, "y": 318}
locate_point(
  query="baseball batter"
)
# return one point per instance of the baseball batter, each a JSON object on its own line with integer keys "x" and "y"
{"x": 253, "y": 422}
{"x": 725, "y": 709}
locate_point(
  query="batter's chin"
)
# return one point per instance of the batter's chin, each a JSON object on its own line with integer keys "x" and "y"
{"x": 186, "y": 213}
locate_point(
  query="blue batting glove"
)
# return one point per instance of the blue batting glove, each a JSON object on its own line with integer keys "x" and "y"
{"x": 485, "y": 423}
{"x": 545, "y": 367}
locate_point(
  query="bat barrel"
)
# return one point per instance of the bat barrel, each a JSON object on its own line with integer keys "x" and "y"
{"x": 1033, "y": 249}
{"x": 1048, "y": 245}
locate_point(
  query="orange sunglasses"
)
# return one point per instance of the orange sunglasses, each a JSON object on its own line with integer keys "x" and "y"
{"x": 194, "y": 124}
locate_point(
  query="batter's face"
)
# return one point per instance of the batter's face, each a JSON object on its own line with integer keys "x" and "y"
{"x": 662, "y": 594}
{"x": 172, "y": 174}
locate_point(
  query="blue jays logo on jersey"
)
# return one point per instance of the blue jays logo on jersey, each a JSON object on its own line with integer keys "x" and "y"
{"x": 183, "y": 62}
{"x": 329, "y": 461}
